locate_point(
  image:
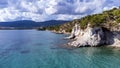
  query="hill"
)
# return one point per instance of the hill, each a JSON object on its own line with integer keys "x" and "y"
{"x": 109, "y": 19}
{"x": 30, "y": 24}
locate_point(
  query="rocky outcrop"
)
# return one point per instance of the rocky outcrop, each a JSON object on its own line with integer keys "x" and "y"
{"x": 75, "y": 32}
{"x": 95, "y": 36}
{"x": 116, "y": 39}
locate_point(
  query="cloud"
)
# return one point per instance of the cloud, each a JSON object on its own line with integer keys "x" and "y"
{"x": 68, "y": 17}
{"x": 9, "y": 14}
{"x": 41, "y": 10}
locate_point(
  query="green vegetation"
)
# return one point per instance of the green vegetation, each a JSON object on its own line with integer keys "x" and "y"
{"x": 118, "y": 20}
{"x": 57, "y": 27}
{"x": 107, "y": 19}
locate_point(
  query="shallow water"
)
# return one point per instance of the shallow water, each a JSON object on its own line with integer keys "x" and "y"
{"x": 43, "y": 49}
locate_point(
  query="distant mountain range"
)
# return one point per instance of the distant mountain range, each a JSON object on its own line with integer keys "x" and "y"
{"x": 31, "y": 24}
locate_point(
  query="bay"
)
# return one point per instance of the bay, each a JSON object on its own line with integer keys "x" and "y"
{"x": 44, "y": 49}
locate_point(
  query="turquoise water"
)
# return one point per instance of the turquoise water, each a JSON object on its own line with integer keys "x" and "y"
{"x": 44, "y": 49}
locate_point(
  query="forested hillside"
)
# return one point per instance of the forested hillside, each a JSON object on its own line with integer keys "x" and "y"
{"x": 109, "y": 19}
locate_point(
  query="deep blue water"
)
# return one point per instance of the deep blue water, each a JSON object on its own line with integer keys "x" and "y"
{"x": 44, "y": 49}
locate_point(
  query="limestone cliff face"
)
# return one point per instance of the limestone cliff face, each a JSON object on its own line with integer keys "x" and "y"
{"x": 95, "y": 36}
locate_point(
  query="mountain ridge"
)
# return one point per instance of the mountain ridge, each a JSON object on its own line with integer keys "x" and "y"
{"x": 31, "y": 24}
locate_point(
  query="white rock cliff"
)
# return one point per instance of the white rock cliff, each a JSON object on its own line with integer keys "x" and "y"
{"x": 96, "y": 36}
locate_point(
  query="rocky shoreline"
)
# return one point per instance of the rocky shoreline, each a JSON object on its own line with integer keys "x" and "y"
{"x": 94, "y": 36}
{"x": 93, "y": 30}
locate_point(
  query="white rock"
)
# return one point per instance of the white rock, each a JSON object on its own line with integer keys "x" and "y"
{"x": 93, "y": 37}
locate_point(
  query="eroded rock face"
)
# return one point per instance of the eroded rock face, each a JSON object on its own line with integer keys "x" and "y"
{"x": 92, "y": 36}
{"x": 75, "y": 31}
{"x": 116, "y": 39}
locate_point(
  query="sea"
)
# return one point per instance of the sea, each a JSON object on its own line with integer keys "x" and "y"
{"x": 44, "y": 49}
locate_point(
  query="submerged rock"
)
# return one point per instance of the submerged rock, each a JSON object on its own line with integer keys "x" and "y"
{"x": 95, "y": 36}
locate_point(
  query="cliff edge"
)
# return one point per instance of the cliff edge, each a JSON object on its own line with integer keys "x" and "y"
{"x": 93, "y": 30}
{"x": 94, "y": 36}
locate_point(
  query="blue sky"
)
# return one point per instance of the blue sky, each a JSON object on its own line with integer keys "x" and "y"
{"x": 42, "y": 10}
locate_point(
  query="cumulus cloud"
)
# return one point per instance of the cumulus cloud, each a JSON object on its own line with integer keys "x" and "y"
{"x": 68, "y": 17}
{"x": 41, "y": 10}
{"x": 9, "y": 14}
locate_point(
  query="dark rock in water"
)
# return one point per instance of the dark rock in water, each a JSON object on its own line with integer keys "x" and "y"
{"x": 25, "y": 51}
